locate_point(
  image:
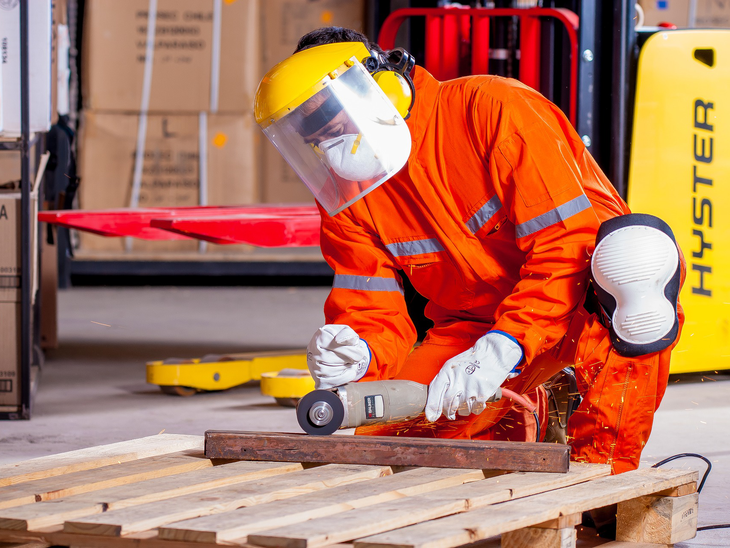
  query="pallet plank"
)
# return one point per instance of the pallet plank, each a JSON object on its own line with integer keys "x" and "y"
{"x": 241, "y": 522}
{"x": 386, "y": 450}
{"x": 101, "y": 478}
{"x": 96, "y": 457}
{"x": 486, "y": 522}
{"x": 401, "y": 513}
{"x": 148, "y": 516}
{"x": 45, "y": 514}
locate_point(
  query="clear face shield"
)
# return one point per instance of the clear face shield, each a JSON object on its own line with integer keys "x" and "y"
{"x": 344, "y": 141}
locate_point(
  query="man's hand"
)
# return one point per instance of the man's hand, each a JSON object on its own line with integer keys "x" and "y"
{"x": 469, "y": 379}
{"x": 336, "y": 355}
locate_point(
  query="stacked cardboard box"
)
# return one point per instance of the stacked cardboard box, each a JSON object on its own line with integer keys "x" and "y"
{"x": 39, "y": 51}
{"x": 10, "y": 275}
{"x": 168, "y": 118}
{"x": 687, "y": 13}
{"x": 283, "y": 23}
{"x": 188, "y": 93}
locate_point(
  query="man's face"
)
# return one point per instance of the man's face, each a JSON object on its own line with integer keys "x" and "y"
{"x": 326, "y": 119}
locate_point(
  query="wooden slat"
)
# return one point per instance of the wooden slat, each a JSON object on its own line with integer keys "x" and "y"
{"x": 45, "y": 514}
{"x": 148, "y": 516}
{"x": 497, "y": 519}
{"x": 96, "y": 457}
{"x": 239, "y": 523}
{"x": 392, "y": 451}
{"x": 101, "y": 478}
{"x": 141, "y": 540}
{"x": 384, "y": 517}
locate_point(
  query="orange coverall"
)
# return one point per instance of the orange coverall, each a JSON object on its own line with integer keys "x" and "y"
{"x": 493, "y": 219}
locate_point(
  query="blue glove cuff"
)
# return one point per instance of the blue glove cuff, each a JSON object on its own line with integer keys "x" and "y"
{"x": 370, "y": 353}
{"x": 516, "y": 369}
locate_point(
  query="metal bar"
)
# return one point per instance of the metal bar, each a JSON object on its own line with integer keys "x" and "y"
{"x": 480, "y": 45}
{"x": 623, "y": 63}
{"x": 569, "y": 20}
{"x": 26, "y": 282}
{"x": 530, "y": 51}
{"x": 390, "y": 451}
{"x": 126, "y": 268}
{"x": 587, "y": 106}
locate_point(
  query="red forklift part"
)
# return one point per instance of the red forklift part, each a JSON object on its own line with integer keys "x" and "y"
{"x": 137, "y": 223}
{"x": 252, "y": 229}
{"x": 451, "y": 30}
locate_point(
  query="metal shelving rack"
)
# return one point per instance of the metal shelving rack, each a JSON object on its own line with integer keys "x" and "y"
{"x": 24, "y": 145}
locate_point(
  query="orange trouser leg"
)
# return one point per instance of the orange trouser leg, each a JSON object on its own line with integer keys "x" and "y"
{"x": 620, "y": 396}
{"x": 501, "y": 420}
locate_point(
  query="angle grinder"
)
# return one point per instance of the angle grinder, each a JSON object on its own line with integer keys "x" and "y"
{"x": 323, "y": 412}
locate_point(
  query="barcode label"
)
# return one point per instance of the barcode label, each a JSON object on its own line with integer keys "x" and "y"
{"x": 6, "y": 385}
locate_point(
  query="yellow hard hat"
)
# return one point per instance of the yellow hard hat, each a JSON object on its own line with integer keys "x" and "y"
{"x": 291, "y": 82}
{"x": 336, "y": 114}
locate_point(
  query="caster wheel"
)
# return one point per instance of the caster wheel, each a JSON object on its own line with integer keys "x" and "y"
{"x": 184, "y": 391}
{"x": 287, "y": 402}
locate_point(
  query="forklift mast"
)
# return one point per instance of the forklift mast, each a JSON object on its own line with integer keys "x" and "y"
{"x": 606, "y": 67}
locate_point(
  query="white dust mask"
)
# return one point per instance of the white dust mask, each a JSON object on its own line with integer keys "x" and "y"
{"x": 352, "y": 157}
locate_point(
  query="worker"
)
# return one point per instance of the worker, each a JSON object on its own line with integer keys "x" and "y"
{"x": 479, "y": 191}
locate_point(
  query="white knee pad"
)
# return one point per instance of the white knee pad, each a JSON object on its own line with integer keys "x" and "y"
{"x": 636, "y": 277}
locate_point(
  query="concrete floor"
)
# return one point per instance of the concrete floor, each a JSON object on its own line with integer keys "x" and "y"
{"x": 92, "y": 389}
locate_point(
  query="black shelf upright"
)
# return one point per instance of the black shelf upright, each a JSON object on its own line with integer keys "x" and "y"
{"x": 24, "y": 144}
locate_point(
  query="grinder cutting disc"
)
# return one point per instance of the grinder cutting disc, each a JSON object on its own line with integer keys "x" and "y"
{"x": 320, "y": 413}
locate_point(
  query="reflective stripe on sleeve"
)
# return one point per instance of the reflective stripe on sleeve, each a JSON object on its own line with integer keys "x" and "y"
{"x": 415, "y": 247}
{"x": 549, "y": 218}
{"x": 366, "y": 283}
{"x": 486, "y": 212}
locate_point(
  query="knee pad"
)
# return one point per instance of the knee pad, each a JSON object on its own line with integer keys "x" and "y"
{"x": 636, "y": 273}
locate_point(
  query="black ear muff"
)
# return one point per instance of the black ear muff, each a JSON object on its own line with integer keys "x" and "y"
{"x": 392, "y": 75}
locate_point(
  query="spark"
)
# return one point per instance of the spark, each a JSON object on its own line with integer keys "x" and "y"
{"x": 99, "y": 323}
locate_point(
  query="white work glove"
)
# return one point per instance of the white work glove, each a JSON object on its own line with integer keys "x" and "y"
{"x": 336, "y": 355}
{"x": 469, "y": 379}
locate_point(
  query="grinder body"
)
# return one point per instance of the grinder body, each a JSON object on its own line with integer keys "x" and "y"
{"x": 323, "y": 412}
{"x": 380, "y": 402}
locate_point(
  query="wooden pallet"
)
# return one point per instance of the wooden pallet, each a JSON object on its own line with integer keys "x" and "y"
{"x": 162, "y": 492}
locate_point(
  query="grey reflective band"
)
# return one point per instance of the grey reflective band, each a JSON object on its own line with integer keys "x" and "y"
{"x": 486, "y": 212}
{"x": 415, "y": 247}
{"x": 549, "y": 218}
{"x": 366, "y": 283}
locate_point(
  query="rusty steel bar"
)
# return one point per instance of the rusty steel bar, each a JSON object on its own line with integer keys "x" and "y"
{"x": 388, "y": 451}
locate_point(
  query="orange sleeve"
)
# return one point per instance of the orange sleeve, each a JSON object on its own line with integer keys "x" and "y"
{"x": 538, "y": 165}
{"x": 367, "y": 294}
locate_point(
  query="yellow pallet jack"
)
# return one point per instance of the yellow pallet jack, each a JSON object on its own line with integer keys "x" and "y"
{"x": 185, "y": 377}
{"x": 287, "y": 386}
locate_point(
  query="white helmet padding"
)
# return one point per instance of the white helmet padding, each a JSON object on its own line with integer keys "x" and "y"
{"x": 636, "y": 275}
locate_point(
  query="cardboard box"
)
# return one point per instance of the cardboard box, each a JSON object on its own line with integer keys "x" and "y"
{"x": 687, "y": 13}
{"x": 283, "y": 23}
{"x": 10, "y": 168}
{"x": 59, "y": 59}
{"x": 39, "y": 13}
{"x": 10, "y": 245}
{"x": 712, "y": 14}
{"x": 199, "y": 61}
{"x": 10, "y": 355}
{"x": 665, "y": 11}
{"x": 171, "y": 168}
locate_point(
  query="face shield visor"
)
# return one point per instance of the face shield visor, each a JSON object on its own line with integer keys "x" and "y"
{"x": 345, "y": 140}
